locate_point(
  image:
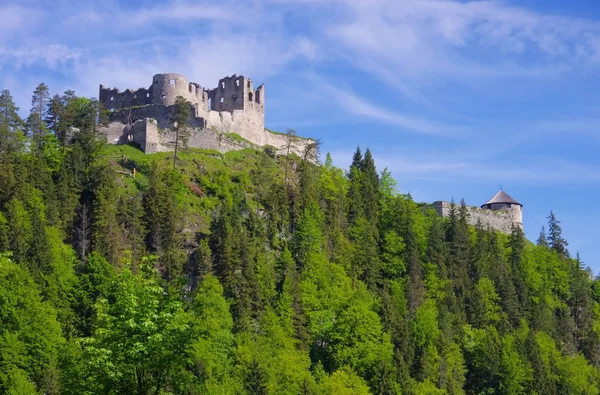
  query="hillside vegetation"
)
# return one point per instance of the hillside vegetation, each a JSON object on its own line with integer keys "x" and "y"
{"x": 242, "y": 273}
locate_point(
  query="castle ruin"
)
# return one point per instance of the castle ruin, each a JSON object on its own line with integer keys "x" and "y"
{"x": 228, "y": 117}
{"x": 500, "y": 213}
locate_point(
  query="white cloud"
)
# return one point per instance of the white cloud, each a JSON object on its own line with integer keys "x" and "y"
{"x": 16, "y": 20}
{"x": 50, "y": 55}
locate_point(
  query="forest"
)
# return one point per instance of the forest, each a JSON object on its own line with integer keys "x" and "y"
{"x": 255, "y": 273}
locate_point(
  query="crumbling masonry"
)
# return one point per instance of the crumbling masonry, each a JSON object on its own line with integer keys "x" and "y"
{"x": 228, "y": 117}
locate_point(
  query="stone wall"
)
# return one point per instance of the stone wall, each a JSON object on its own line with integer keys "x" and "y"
{"x": 113, "y": 99}
{"x": 151, "y": 138}
{"x": 500, "y": 220}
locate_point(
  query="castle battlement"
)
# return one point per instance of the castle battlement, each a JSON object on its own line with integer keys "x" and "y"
{"x": 234, "y": 106}
{"x": 232, "y": 93}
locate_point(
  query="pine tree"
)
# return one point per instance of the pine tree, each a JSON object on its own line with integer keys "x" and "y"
{"x": 39, "y": 251}
{"x": 20, "y": 230}
{"x": 370, "y": 188}
{"x": 107, "y": 231}
{"x": 36, "y": 120}
{"x": 355, "y": 195}
{"x": 181, "y": 120}
{"x": 416, "y": 288}
{"x": 516, "y": 245}
{"x": 542, "y": 240}
{"x": 457, "y": 236}
{"x": 11, "y": 143}
{"x": 255, "y": 382}
{"x": 4, "y": 234}
{"x": 9, "y": 112}
{"x": 165, "y": 220}
{"x": 11, "y": 124}
{"x": 556, "y": 241}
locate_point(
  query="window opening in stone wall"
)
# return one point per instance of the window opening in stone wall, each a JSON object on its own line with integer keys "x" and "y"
{"x": 191, "y": 88}
{"x": 112, "y": 98}
{"x": 172, "y": 82}
{"x": 209, "y": 104}
{"x": 258, "y": 97}
{"x": 147, "y": 95}
{"x": 248, "y": 85}
{"x": 222, "y": 85}
{"x": 249, "y": 96}
{"x": 135, "y": 96}
{"x": 234, "y": 97}
{"x": 237, "y": 83}
{"x": 163, "y": 96}
{"x": 222, "y": 100}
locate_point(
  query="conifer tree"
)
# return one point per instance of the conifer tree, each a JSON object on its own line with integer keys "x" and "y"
{"x": 370, "y": 188}
{"x": 355, "y": 195}
{"x": 36, "y": 120}
{"x": 516, "y": 245}
{"x": 255, "y": 380}
{"x": 107, "y": 231}
{"x": 165, "y": 221}
{"x": 542, "y": 240}
{"x": 9, "y": 112}
{"x": 11, "y": 125}
{"x": 555, "y": 239}
{"x": 181, "y": 120}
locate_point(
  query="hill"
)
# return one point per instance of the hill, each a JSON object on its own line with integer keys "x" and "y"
{"x": 247, "y": 273}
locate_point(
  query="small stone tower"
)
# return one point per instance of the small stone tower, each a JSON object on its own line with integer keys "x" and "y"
{"x": 502, "y": 201}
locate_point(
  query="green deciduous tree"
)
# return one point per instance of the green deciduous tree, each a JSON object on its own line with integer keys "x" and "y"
{"x": 142, "y": 337}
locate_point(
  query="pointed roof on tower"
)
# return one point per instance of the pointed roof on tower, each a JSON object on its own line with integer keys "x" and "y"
{"x": 502, "y": 197}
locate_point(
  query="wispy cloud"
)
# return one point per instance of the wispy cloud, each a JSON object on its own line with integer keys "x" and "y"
{"x": 356, "y": 105}
{"x": 51, "y": 55}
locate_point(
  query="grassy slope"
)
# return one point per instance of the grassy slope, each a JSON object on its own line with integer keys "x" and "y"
{"x": 206, "y": 175}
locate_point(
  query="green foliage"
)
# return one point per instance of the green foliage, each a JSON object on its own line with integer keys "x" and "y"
{"x": 269, "y": 275}
{"x": 141, "y": 339}
{"x": 30, "y": 335}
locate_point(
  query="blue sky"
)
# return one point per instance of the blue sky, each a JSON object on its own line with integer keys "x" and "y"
{"x": 454, "y": 97}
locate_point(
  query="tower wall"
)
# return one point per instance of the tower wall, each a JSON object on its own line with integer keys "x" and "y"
{"x": 516, "y": 212}
{"x": 166, "y": 87}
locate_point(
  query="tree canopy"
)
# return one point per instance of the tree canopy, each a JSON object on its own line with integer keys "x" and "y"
{"x": 252, "y": 273}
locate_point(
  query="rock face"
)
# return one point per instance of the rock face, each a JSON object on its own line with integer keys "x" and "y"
{"x": 501, "y": 220}
{"x": 233, "y": 108}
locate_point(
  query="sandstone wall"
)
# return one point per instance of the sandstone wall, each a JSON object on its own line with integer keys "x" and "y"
{"x": 500, "y": 220}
